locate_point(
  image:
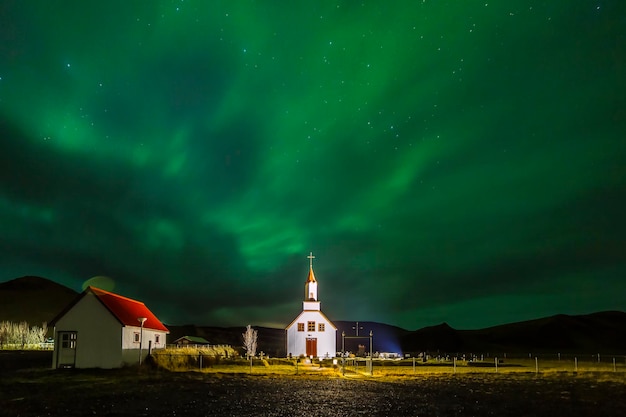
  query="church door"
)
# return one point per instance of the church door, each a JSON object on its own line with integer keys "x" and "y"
{"x": 311, "y": 346}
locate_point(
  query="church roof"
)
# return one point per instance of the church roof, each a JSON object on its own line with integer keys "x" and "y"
{"x": 311, "y": 277}
{"x": 317, "y": 312}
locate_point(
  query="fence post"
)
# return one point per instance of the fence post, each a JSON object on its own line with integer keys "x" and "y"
{"x": 454, "y": 364}
{"x": 536, "y": 366}
{"x": 413, "y": 364}
{"x": 614, "y": 367}
{"x": 575, "y": 364}
{"x": 496, "y": 361}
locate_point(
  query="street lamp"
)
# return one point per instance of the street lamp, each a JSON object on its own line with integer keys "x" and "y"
{"x": 141, "y": 320}
{"x": 343, "y": 353}
{"x": 371, "y": 357}
{"x": 343, "y": 346}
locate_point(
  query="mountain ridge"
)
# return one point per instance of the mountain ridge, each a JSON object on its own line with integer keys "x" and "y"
{"x": 599, "y": 332}
{"x": 44, "y": 298}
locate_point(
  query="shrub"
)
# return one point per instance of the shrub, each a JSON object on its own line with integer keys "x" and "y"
{"x": 21, "y": 336}
{"x": 187, "y": 358}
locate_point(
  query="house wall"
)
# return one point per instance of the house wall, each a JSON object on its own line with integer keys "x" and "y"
{"x": 149, "y": 335}
{"x": 326, "y": 340}
{"x": 130, "y": 348}
{"x": 99, "y": 334}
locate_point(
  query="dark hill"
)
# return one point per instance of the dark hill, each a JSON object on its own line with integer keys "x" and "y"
{"x": 36, "y": 299}
{"x": 602, "y": 332}
{"x": 385, "y": 338}
{"x": 433, "y": 338}
{"x": 33, "y": 299}
{"x": 270, "y": 341}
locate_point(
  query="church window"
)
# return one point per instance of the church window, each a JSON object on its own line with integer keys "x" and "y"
{"x": 136, "y": 337}
{"x": 300, "y": 327}
{"x": 311, "y": 326}
{"x": 321, "y": 327}
{"x": 157, "y": 338}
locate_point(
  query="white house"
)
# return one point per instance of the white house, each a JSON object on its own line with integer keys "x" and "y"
{"x": 311, "y": 333}
{"x": 190, "y": 341}
{"x": 100, "y": 329}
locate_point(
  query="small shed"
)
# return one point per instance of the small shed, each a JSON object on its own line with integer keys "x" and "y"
{"x": 190, "y": 341}
{"x": 100, "y": 329}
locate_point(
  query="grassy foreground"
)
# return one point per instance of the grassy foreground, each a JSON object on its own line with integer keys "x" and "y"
{"x": 198, "y": 361}
{"x": 157, "y": 392}
{"x": 281, "y": 387}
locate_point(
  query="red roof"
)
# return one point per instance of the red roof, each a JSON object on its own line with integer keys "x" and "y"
{"x": 126, "y": 310}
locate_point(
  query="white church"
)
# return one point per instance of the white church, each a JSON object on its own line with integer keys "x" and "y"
{"x": 311, "y": 333}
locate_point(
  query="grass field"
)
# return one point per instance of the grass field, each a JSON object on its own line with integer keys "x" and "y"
{"x": 279, "y": 387}
{"x": 190, "y": 360}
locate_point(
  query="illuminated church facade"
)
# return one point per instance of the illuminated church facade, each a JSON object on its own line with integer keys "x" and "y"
{"x": 311, "y": 334}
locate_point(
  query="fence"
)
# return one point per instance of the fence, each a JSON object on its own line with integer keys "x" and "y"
{"x": 485, "y": 363}
{"x": 223, "y": 358}
{"x": 198, "y": 346}
{"x": 27, "y": 346}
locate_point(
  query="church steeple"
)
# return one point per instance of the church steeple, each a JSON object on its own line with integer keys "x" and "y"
{"x": 310, "y": 287}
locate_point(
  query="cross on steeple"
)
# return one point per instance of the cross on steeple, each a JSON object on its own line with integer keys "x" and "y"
{"x": 311, "y": 257}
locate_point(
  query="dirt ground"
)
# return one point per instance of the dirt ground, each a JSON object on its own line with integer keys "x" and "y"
{"x": 36, "y": 391}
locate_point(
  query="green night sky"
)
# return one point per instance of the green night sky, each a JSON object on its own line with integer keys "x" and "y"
{"x": 457, "y": 161}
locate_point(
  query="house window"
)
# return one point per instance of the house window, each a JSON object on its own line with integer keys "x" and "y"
{"x": 68, "y": 340}
{"x": 157, "y": 339}
{"x": 300, "y": 327}
{"x": 311, "y": 326}
{"x": 136, "y": 337}
{"x": 321, "y": 327}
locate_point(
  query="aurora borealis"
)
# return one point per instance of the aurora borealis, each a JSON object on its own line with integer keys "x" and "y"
{"x": 444, "y": 161}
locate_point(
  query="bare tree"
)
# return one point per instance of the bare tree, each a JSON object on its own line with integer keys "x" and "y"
{"x": 19, "y": 334}
{"x": 38, "y": 334}
{"x": 23, "y": 332}
{"x": 249, "y": 341}
{"x": 5, "y": 333}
